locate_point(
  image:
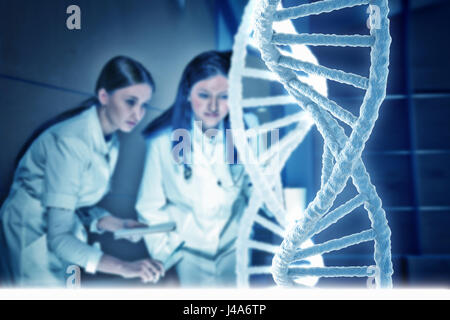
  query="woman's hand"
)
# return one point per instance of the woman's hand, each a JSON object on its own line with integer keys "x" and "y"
{"x": 111, "y": 224}
{"x": 148, "y": 270}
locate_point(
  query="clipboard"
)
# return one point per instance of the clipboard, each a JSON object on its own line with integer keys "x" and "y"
{"x": 156, "y": 228}
{"x": 174, "y": 258}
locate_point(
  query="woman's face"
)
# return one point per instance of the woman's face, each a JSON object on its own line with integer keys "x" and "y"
{"x": 209, "y": 100}
{"x": 125, "y": 107}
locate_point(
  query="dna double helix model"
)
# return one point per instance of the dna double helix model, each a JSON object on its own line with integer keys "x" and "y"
{"x": 341, "y": 159}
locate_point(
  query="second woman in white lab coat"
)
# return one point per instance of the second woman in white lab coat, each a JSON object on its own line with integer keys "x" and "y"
{"x": 191, "y": 177}
{"x": 66, "y": 168}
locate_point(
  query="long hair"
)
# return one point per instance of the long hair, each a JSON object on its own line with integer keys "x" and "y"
{"x": 117, "y": 73}
{"x": 203, "y": 66}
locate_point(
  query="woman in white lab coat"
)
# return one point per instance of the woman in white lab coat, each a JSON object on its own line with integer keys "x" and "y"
{"x": 67, "y": 168}
{"x": 191, "y": 177}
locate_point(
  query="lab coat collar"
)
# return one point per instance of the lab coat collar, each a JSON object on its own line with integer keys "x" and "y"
{"x": 200, "y": 137}
{"x": 100, "y": 143}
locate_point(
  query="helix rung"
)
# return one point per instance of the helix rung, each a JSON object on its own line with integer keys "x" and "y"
{"x": 275, "y": 164}
{"x": 332, "y": 74}
{"x": 260, "y": 270}
{"x": 267, "y": 101}
{"x": 259, "y": 74}
{"x": 261, "y": 246}
{"x": 331, "y": 272}
{"x": 316, "y": 8}
{"x": 292, "y": 138}
{"x": 337, "y": 214}
{"x": 278, "y": 215}
{"x": 323, "y": 40}
{"x": 269, "y": 225}
{"x": 336, "y": 244}
{"x": 283, "y": 122}
{"x": 329, "y": 105}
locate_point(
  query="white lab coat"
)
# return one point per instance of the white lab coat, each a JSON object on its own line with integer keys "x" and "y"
{"x": 68, "y": 166}
{"x": 206, "y": 209}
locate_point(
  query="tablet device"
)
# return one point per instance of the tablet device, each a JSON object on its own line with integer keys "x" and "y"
{"x": 156, "y": 228}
